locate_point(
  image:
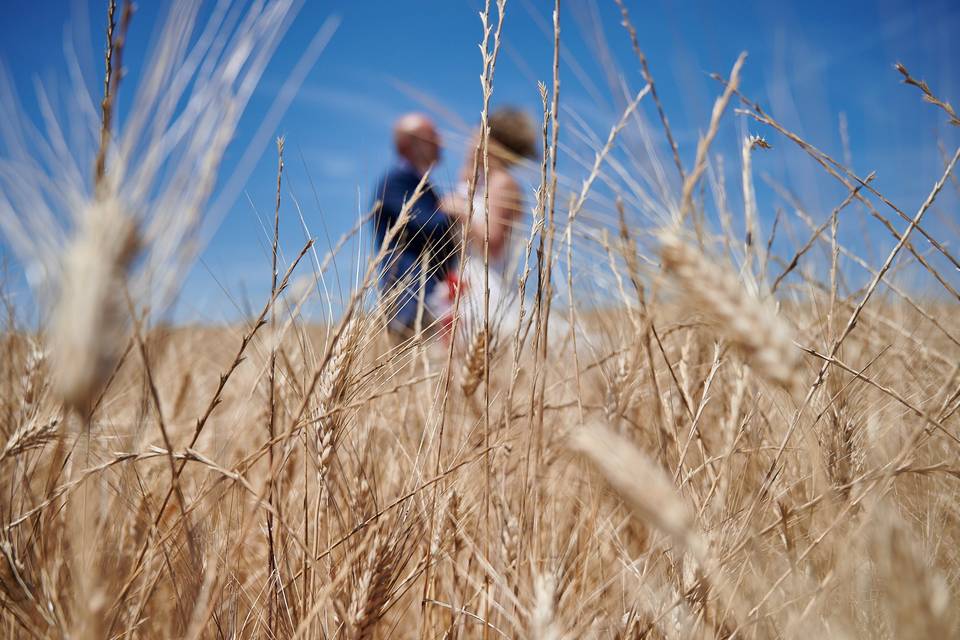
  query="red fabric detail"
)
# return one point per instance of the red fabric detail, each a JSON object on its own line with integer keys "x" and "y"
{"x": 453, "y": 284}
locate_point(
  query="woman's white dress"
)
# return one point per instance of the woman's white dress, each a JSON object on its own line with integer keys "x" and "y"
{"x": 503, "y": 284}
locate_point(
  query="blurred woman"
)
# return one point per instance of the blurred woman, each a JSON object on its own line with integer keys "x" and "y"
{"x": 512, "y": 139}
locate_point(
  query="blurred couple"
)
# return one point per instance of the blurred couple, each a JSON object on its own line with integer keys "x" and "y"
{"x": 421, "y": 270}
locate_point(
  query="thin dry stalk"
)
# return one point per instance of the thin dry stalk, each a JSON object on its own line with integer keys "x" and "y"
{"x": 703, "y": 146}
{"x": 648, "y": 78}
{"x": 272, "y": 571}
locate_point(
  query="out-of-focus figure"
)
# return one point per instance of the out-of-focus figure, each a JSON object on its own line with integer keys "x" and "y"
{"x": 512, "y": 139}
{"x": 422, "y": 253}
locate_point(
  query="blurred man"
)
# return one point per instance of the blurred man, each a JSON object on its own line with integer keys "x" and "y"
{"x": 418, "y": 258}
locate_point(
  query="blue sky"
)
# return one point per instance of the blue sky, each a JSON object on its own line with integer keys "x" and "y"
{"x": 808, "y": 63}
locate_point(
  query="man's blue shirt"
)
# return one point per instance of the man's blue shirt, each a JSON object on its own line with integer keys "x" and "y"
{"x": 427, "y": 232}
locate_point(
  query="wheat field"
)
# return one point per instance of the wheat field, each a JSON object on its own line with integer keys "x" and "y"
{"x": 739, "y": 442}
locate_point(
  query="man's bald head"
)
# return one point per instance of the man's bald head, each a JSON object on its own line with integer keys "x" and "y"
{"x": 417, "y": 140}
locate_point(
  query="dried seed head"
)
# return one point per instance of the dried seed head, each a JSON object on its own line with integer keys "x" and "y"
{"x": 473, "y": 366}
{"x": 334, "y": 389}
{"x": 842, "y": 451}
{"x": 370, "y": 593}
{"x": 640, "y": 482}
{"x": 334, "y": 381}
{"x": 32, "y": 434}
{"x": 152, "y": 183}
{"x": 452, "y": 527}
{"x": 749, "y": 324}
{"x": 90, "y": 314}
{"x": 623, "y": 388}
{"x": 509, "y": 533}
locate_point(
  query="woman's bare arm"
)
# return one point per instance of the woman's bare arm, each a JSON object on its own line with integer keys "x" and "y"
{"x": 505, "y": 203}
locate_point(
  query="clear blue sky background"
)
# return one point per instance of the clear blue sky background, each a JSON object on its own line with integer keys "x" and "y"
{"x": 808, "y": 63}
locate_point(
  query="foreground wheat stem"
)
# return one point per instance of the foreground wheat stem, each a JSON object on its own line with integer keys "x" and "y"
{"x": 272, "y": 575}
{"x": 543, "y": 302}
{"x": 487, "y": 86}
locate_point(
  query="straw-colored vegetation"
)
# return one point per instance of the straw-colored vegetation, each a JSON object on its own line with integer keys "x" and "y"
{"x": 740, "y": 447}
